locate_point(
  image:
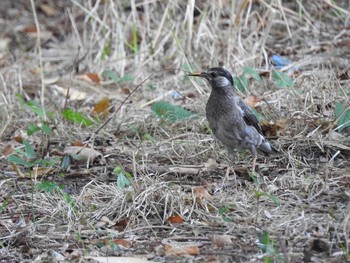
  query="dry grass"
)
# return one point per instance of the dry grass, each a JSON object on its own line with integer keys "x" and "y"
{"x": 172, "y": 164}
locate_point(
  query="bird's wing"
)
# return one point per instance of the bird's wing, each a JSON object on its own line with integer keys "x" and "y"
{"x": 249, "y": 116}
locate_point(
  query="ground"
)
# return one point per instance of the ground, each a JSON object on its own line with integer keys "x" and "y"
{"x": 106, "y": 155}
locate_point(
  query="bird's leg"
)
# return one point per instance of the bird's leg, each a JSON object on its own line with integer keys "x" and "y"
{"x": 254, "y": 163}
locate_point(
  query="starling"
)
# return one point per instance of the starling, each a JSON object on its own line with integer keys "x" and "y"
{"x": 230, "y": 118}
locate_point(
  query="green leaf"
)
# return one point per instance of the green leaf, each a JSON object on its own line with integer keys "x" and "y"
{"x": 272, "y": 197}
{"x": 69, "y": 199}
{"x": 65, "y": 162}
{"x": 123, "y": 179}
{"x": 265, "y": 243}
{"x": 149, "y": 137}
{"x": 32, "y": 128}
{"x": 34, "y": 106}
{"x": 250, "y": 71}
{"x": 150, "y": 86}
{"x": 76, "y": 117}
{"x": 113, "y": 76}
{"x": 170, "y": 112}
{"x": 20, "y": 99}
{"x": 281, "y": 79}
{"x": 186, "y": 68}
{"x": 17, "y": 160}
{"x": 46, "y": 186}
{"x": 106, "y": 50}
{"x": 127, "y": 77}
{"x": 223, "y": 210}
{"x": 46, "y": 129}
{"x": 29, "y": 150}
{"x": 342, "y": 115}
{"x": 241, "y": 83}
{"x": 134, "y": 33}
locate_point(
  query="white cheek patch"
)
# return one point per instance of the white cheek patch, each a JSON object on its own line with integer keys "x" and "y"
{"x": 222, "y": 81}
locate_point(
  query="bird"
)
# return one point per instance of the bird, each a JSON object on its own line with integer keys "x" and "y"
{"x": 231, "y": 120}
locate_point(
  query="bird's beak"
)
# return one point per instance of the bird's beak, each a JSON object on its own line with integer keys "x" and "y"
{"x": 196, "y": 74}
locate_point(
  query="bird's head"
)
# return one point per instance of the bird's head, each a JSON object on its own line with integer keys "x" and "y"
{"x": 217, "y": 77}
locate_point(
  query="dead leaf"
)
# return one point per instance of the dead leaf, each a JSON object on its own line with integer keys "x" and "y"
{"x": 33, "y": 173}
{"x": 74, "y": 94}
{"x": 123, "y": 243}
{"x": 252, "y": 100}
{"x": 83, "y": 153}
{"x": 122, "y": 224}
{"x": 18, "y": 139}
{"x": 121, "y": 259}
{"x": 125, "y": 91}
{"x": 78, "y": 143}
{"x": 17, "y": 170}
{"x": 273, "y": 129}
{"x": 49, "y": 11}
{"x": 221, "y": 240}
{"x": 177, "y": 219}
{"x": 181, "y": 250}
{"x": 7, "y": 150}
{"x": 93, "y": 78}
{"x": 201, "y": 193}
{"x": 211, "y": 164}
{"x": 29, "y": 29}
{"x": 102, "y": 107}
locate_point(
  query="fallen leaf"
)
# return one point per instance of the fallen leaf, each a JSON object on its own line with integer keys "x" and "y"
{"x": 93, "y": 78}
{"x": 252, "y": 100}
{"x": 7, "y": 150}
{"x": 121, "y": 259}
{"x": 221, "y": 240}
{"x": 122, "y": 224}
{"x": 201, "y": 193}
{"x": 33, "y": 173}
{"x": 29, "y": 29}
{"x": 18, "y": 139}
{"x": 273, "y": 129}
{"x": 74, "y": 94}
{"x": 177, "y": 219}
{"x": 102, "y": 107}
{"x": 125, "y": 91}
{"x": 78, "y": 143}
{"x": 49, "y": 11}
{"x": 181, "y": 250}
{"x": 82, "y": 153}
{"x": 123, "y": 243}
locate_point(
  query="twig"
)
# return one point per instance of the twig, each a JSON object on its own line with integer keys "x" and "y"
{"x": 70, "y": 78}
{"x": 38, "y": 44}
{"x": 114, "y": 113}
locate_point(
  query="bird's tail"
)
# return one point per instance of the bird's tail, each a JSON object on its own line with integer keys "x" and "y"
{"x": 266, "y": 148}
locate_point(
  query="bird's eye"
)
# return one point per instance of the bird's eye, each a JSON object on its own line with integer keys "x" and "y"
{"x": 213, "y": 74}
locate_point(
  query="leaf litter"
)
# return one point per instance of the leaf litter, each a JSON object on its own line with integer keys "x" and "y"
{"x": 165, "y": 203}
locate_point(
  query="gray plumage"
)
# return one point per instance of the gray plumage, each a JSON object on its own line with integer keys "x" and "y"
{"x": 230, "y": 118}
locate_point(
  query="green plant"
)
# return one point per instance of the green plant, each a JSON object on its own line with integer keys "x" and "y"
{"x": 224, "y": 211}
{"x": 123, "y": 178}
{"x": 281, "y": 79}
{"x": 170, "y": 112}
{"x": 267, "y": 246}
{"x": 342, "y": 115}
{"x": 34, "y": 107}
{"x": 242, "y": 82}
